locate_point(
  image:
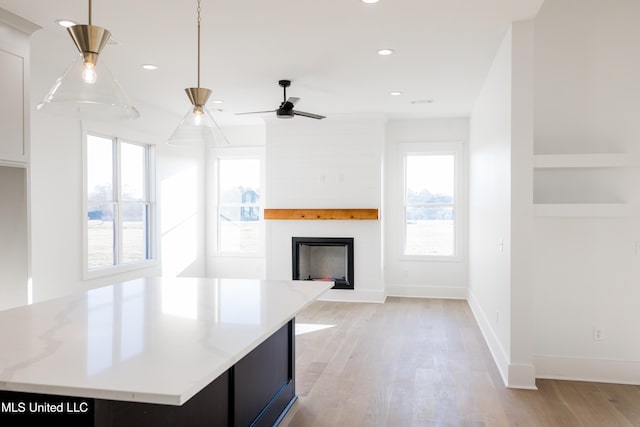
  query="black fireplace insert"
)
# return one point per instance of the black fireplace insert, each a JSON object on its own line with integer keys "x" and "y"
{"x": 323, "y": 258}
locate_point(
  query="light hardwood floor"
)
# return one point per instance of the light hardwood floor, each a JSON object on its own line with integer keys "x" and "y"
{"x": 423, "y": 362}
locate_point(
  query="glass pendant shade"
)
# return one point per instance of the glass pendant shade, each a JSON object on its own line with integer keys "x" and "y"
{"x": 88, "y": 92}
{"x": 198, "y": 127}
{"x": 87, "y": 89}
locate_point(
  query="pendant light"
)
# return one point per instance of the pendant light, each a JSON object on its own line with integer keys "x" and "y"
{"x": 87, "y": 90}
{"x": 198, "y": 126}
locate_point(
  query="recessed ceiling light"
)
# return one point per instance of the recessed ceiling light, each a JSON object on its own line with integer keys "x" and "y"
{"x": 149, "y": 66}
{"x": 395, "y": 93}
{"x": 218, "y": 101}
{"x": 66, "y": 23}
{"x": 370, "y": 1}
{"x": 385, "y": 52}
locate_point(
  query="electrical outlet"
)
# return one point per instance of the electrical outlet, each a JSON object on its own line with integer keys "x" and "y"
{"x": 598, "y": 334}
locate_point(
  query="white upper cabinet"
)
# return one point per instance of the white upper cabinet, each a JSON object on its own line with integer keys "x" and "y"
{"x": 12, "y": 132}
{"x": 14, "y": 87}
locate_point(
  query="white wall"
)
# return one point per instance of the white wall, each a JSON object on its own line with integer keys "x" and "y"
{"x": 587, "y": 270}
{"x": 567, "y": 87}
{"x": 405, "y": 277}
{"x": 181, "y": 189}
{"x": 501, "y": 207}
{"x": 490, "y": 207}
{"x": 521, "y": 370}
{"x": 333, "y": 163}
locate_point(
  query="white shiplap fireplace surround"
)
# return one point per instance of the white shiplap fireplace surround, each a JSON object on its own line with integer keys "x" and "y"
{"x": 327, "y": 165}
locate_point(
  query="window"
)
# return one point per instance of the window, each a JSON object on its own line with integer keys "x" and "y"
{"x": 431, "y": 226}
{"x": 239, "y": 205}
{"x": 118, "y": 202}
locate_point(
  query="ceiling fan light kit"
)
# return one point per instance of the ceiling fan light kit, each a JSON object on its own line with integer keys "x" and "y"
{"x": 286, "y": 108}
{"x": 86, "y": 90}
{"x": 198, "y": 126}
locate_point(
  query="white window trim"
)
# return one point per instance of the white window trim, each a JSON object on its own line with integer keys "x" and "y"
{"x": 233, "y": 154}
{"x": 89, "y": 274}
{"x": 435, "y": 148}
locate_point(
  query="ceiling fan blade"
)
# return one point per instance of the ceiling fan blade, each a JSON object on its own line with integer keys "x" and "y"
{"x": 310, "y": 115}
{"x": 293, "y": 100}
{"x": 257, "y": 112}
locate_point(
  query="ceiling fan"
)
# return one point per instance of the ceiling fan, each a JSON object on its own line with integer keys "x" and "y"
{"x": 285, "y": 110}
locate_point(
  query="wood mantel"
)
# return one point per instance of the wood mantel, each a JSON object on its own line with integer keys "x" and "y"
{"x": 321, "y": 214}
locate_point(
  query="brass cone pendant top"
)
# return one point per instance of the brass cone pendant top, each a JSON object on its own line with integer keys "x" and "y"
{"x": 90, "y": 40}
{"x": 198, "y": 95}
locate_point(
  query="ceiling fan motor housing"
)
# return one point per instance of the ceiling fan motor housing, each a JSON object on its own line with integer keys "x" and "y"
{"x": 285, "y": 113}
{"x": 286, "y": 108}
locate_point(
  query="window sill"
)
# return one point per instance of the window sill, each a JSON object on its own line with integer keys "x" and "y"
{"x": 239, "y": 254}
{"x": 431, "y": 258}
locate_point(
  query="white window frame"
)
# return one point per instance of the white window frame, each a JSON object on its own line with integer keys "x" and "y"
{"x": 454, "y": 148}
{"x": 237, "y": 153}
{"x": 150, "y": 202}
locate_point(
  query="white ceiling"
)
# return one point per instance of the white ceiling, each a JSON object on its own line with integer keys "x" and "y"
{"x": 326, "y": 47}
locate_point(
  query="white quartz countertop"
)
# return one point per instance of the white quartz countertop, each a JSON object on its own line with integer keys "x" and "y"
{"x": 155, "y": 340}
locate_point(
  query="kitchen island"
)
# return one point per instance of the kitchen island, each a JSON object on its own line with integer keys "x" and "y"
{"x": 155, "y": 351}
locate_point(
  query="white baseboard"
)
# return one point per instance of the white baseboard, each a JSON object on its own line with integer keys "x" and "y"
{"x": 498, "y": 353}
{"x": 346, "y": 295}
{"x": 514, "y": 375}
{"x": 419, "y": 291}
{"x": 522, "y": 376}
{"x": 595, "y": 370}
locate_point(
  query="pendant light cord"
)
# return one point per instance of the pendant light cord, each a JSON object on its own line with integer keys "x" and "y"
{"x": 89, "y": 12}
{"x": 198, "y": 44}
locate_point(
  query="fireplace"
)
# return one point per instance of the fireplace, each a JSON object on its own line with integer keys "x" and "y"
{"x": 323, "y": 258}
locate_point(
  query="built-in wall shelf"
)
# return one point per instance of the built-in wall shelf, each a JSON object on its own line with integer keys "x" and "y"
{"x": 586, "y": 210}
{"x": 561, "y": 177}
{"x": 591, "y": 160}
{"x": 321, "y": 214}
